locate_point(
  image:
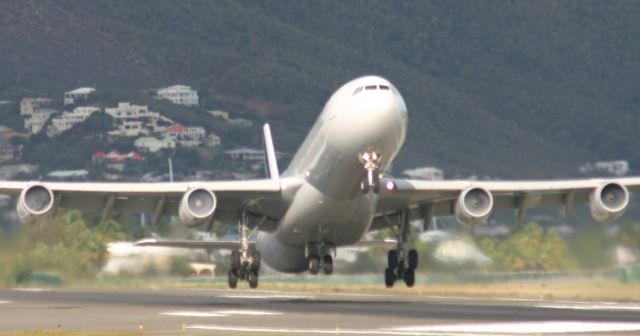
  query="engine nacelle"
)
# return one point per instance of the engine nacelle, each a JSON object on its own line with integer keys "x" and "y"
{"x": 608, "y": 202}
{"x": 197, "y": 207}
{"x": 35, "y": 202}
{"x": 474, "y": 206}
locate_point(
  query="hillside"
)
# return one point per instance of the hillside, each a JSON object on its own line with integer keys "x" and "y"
{"x": 524, "y": 89}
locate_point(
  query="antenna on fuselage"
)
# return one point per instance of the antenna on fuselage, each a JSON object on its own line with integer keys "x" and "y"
{"x": 270, "y": 160}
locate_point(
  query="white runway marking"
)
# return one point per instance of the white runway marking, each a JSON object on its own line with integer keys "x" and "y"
{"x": 265, "y": 292}
{"x": 221, "y": 313}
{"x": 272, "y": 296}
{"x": 550, "y": 327}
{"x": 32, "y": 289}
{"x": 526, "y": 327}
{"x": 591, "y": 306}
{"x": 4, "y": 301}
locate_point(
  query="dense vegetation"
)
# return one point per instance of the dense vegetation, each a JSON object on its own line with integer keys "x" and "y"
{"x": 511, "y": 89}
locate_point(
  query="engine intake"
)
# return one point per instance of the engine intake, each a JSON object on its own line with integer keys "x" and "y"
{"x": 197, "y": 207}
{"x": 474, "y": 206}
{"x": 35, "y": 202}
{"x": 608, "y": 202}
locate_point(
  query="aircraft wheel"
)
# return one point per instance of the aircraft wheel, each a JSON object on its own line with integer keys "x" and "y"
{"x": 232, "y": 279}
{"x": 389, "y": 277}
{"x": 410, "y": 277}
{"x": 375, "y": 181}
{"x": 328, "y": 264}
{"x": 314, "y": 265}
{"x": 364, "y": 183}
{"x": 392, "y": 259}
{"x": 253, "y": 279}
{"x": 236, "y": 263}
{"x": 413, "y": 259}
{"x": 255, "y": 266}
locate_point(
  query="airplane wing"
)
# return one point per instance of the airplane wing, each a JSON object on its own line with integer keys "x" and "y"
{"x": 606, "y": 197}
{"x": 258, "y": 197}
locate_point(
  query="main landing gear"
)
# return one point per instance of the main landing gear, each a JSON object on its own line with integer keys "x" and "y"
{"x": 320, "y": 258}
{"x": 371, "y": 175}
{"x": 401, "y": 264}
{"x": 245, "y": 262}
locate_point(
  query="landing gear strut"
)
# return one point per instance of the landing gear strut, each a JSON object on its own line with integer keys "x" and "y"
{"x": 401, "y": 264}
{"x": 320, "y": 258}
{"x": 371, "y": 175}
{"x": 245, "y": 262}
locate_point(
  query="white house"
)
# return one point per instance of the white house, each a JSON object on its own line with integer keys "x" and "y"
{"x": 615, "y": 168}
{"x": 425, "y": 173}
{"x": 76, "y": 95}
{"x": 69, "y": 119}
{"x": 128, "y": 111}
{"x": 213, "y": 140}
{"x": 132, "y": 120}
{"x": 186, "y": 136}
{"x": 179, "y": 94}
{"x": 29, "y": 105}
{"x": 151, "y": 144}
{"x": 245, "y": 154}
{"x": 38, "y": 119}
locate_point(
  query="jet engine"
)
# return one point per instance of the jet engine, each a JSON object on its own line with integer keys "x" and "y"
{"x": 608, "y": 202}
{"x": 35, "y": 202}
{"x": 474, "y": 206}
{"x": 197, "y": 207}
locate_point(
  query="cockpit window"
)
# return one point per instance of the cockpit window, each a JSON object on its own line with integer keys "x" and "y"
{"x": 357, "y": 91}
{"x": 383, "y": 87}
{"x": 371, "y": 87}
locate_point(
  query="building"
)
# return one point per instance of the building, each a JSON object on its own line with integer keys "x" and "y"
{"x": 179, "y": 94}
{"x": 67, "y": 120}
{"x": 220, "y": 114}
{"x": 77, "y": 95}
{"x": 29, "y": 105}
{"x": 132, "y": 120}
{"x": 240, "y": 122}
{"x": 68, "y": 175}
{"x": 38, "y": 119}
{"x": 425, "y": 173}
{"x": 615, "y": 168}
{"x": 186, "y": 136}
{"x": 212, "y": 140}
{"x": 151, "y": 144}
{"x": 116, "y": 160}
{"x": 245, "y": 154}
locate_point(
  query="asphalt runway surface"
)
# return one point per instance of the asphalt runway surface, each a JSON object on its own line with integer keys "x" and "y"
{"x": 241, "y": 312}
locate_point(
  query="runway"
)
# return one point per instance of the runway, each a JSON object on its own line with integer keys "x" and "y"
{"x": 241, "y": 312}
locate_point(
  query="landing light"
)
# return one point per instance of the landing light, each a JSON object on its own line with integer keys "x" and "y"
{"x": 390, "y": 185}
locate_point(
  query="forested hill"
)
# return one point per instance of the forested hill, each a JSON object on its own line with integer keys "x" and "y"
{"x": 509, "y": 89}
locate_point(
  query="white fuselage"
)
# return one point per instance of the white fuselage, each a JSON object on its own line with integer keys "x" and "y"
{"x": 329, "y": 209}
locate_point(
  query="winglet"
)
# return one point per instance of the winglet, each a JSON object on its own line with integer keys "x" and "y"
{"x": 271, "y": 163}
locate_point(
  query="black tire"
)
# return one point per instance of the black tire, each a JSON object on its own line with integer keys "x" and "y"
{"x": 328, "y": 264}
{"x": 314, "y": 265}
{"x": 410, "y": 277}
{"x": 235, "y": 260}
{"x": 257, "y": 260}
{"x": 389, "y": 277}
{"x": 364, "y": 183}
{"x": 392, "y": 259}
{"x": 376, "y": 182}
{"x": 232, "y": 279}
{"x": 252, "y": 277}
{"x": 413, "y": 259}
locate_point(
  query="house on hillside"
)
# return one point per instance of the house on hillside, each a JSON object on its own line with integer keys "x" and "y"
{"x": 179, "y": 94}
{"x": 38, "y": 119}
{"x": 151, "y": 144}
{"x": 185, "y": 136}
{"x": 425, "y": 173}
{"x": 212, "y": 140}
{"x": 615, "y": 168}
{"x": 132, "y": 120}
{"x": 116, "y": 160}
{"x": 77, "y": 95}
{"x": 29, "y": 105}
{"x": 67, "y": 120}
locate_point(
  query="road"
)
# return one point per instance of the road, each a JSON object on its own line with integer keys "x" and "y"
{"x": 228, "y": 312}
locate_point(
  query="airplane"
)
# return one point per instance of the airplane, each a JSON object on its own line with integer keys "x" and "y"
{"x": 333, "y": 192}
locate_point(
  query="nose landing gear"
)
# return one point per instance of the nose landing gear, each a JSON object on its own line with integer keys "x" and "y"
{"x": 371, "y": 175}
